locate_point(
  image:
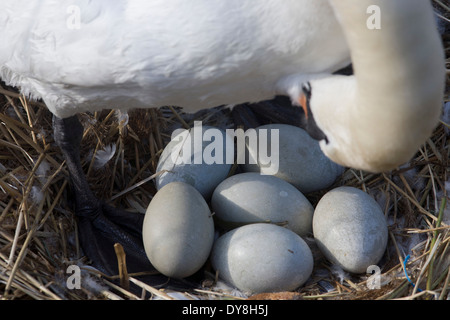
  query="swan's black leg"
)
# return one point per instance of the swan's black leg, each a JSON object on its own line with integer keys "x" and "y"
{"x": 100, "y": 225}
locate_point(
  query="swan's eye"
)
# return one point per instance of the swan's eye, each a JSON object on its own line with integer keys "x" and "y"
{"x": 306, "y": 88}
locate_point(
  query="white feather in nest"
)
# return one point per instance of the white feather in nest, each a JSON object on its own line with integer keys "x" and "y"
{"x": 41, "y": 171}
{"x": 223, "y": 287}
{"x": 339, "y": 273}
{"x": 122, "y": 118}
{"x": 36, "y": 194}
{"x": 103, "y": 156}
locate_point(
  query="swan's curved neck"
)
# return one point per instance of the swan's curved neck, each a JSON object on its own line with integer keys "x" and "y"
{"x": 399, "y": 69}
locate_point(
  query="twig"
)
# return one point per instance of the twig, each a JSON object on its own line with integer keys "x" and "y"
{"x": 153, "y": 176}
{"x": 434, "y": 244}
{"x": 151, "y": 289}
{"x": 122, "y": 263}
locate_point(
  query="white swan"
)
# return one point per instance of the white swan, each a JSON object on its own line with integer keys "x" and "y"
{"x": 81, "y": 55}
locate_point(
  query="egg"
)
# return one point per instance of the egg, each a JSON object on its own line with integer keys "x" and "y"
{"x": 251, "y": 197}
{"x": 301, "y": 162}
{"x": 198, "y": 157}
{"x": 262, "y": 257}
{"x": 178, "y": 230}
{"x": 350, "y": 229}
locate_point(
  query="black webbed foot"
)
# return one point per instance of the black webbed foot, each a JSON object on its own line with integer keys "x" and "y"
{"x": 100, "y": 225}
{"x": 99, "y": 231}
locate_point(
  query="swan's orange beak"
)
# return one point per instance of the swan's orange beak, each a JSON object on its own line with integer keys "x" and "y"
{"x": 302, "y": 102}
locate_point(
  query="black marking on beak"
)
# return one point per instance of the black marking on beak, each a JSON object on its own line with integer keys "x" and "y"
{"x": 310, "y": 124}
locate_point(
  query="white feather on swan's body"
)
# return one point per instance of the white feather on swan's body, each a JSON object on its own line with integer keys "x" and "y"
{"x": 194, "y": 54}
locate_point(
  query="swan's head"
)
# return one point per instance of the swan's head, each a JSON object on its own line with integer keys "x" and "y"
{"x": 326, "y": 108}
{"x": 377, "y": 119}
{"x": 354, "y": 132}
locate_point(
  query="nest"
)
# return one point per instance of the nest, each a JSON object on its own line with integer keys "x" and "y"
{"x": 38, "y": 233}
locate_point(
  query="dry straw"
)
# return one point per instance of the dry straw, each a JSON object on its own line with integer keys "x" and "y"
{"x": 38, "y": 234}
